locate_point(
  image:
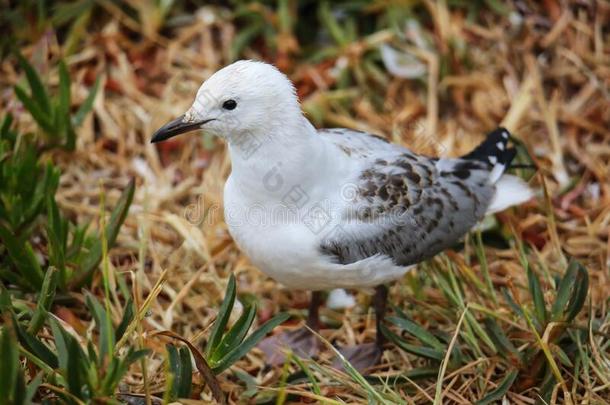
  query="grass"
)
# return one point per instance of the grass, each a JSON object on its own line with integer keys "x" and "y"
{"x": 116, "y": 266}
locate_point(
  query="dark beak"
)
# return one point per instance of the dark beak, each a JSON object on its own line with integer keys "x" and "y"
{"x": 176, "y": 127}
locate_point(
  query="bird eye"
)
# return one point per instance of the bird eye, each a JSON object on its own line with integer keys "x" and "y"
{"x": 229, "y": 105}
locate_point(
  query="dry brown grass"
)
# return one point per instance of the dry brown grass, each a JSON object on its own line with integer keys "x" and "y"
{"x": 547, "y": 82}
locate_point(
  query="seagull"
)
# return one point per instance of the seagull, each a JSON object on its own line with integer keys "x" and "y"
{"x": 320, "y": 209}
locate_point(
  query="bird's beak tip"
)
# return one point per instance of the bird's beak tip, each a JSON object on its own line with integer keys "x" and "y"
{"x": 173, "y": 128}
{"x": 157, "y": 136}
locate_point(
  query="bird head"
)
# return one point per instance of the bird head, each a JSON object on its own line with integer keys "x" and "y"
{"x": 244, "y": 97}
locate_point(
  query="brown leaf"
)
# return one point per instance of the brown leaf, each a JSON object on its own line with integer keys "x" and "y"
{"x": 71, "y": 319}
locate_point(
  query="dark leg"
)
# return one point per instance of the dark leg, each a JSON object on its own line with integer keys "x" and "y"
{"x": 367, "y": 355}
{"x": 301, "y": 341}
{"x": 313, "y": 317}
{"x": 380, "y": 304}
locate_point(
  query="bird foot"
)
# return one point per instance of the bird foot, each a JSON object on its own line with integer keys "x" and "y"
{"x": 300, "y": 341}
{"x": 362, "y": 357}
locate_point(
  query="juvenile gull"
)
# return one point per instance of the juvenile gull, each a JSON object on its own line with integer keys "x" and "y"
{"x": 336, "y": 208}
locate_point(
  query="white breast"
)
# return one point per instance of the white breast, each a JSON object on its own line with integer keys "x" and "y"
{"x": 271, "y": 234}
{"x": 283, "y": 242}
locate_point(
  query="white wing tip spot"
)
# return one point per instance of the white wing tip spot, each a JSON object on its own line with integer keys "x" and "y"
{"x": 500, "y": 145}
{"x": 505, "y": 134}
{"x": 497, "y": 172}
{"x": 493, "y": 160}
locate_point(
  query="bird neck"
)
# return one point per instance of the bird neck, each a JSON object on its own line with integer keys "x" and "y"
{"x": 274, "y": 160}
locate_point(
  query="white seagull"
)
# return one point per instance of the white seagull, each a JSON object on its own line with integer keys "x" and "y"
{"x": 318, "y": 209}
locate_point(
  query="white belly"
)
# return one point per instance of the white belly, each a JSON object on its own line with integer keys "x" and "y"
{"x": 284, "y": 243}
{"x": 284, "y": 251}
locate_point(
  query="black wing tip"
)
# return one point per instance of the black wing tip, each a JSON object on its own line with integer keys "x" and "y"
{"x": 508, "y": 157}
{"x": 493, "y": 149}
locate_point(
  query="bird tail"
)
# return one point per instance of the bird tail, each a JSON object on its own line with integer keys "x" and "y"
{"x": 510, "y": 190}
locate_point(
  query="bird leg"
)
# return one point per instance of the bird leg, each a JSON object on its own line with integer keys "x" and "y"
{"x": 301, "y": 341}
{"x": 367, "y": 355}
{"x": 380, "y": 302}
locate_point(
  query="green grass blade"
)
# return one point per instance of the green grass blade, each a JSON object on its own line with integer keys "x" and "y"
{"x": 74, "y": 375}
{"x": 19, "y": 388}
{"x": 62, "y": 113}
{"x": 56, "y": 234}
{"x": 180, "y": 366}
{"x": 504, "y": 345}
{"x": 480, "y": 249}
{"x": 64, "y": 102}
{"x": 60, "y": 343}
{"x": 42, "y": 118}
{"x": 510, "y": 301}
{"x": 579, "y": 293}
{"x": 537, "y": 297}
{"x": 498, "y": 7}
{"x": 111, "y": 376}
{"x": 23, "y": 258}
{"x": 547, "y": 387}
{"x": 417, "y": 331}
{"x": 186, "y": 373}
{"x": 5, "y": 128}
{"x": 236, "y": 334}
{"x": 123, "y": 367}
{"x": 45, "y": 300}
{"x": 562, "y": 355}
{"x": 93, "y": 259}
{"x": 244, "y": 37}
{"x": 39, "y": 93}
{"x": 374, "y": 397}
{"x": 135, "y": 355}
{"x": 329, "y": 21}
{"x": 6, "y": 304}
{"x": 35, "y": 346}
{"x": 10, "y": 363}
{"x": 173, "y": 365}
{"x": 221, "y": 320}
{"x": 564, "y": 290}
{"x": 420, "y": 351}
{"x": 118, "y": 368}
{"x": 315, "y": 387}
{"x": 284, "y": 17}
{"x": 249, "y": 343}
{"x": 87, "y": 105}
{"x": 501, "y": 390}
{"x": 32, "y": 388}
{"x": 472, "y": 322}
{"x": 106, "y": 339}
{"x": 128, "y": 314}
{"x": 202, "y": 366}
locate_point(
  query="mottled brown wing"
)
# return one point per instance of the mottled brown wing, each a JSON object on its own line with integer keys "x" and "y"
{"x": 411, "y": 207}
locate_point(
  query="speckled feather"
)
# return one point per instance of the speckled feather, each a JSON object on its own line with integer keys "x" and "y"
{"x": 406, "y": 206}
